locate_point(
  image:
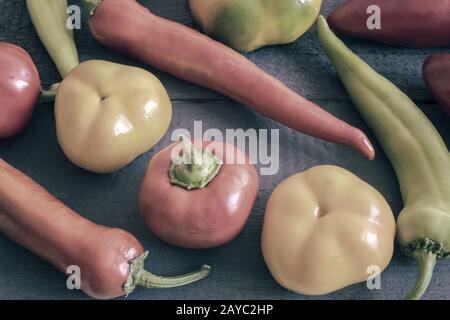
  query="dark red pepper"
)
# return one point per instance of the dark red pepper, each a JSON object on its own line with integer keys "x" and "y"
{"x": 410, "y": 23}
{"x": 19, "y": 89}
{"x": 436, "y": 73}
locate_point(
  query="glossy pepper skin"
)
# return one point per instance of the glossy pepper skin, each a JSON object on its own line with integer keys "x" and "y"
{"x": 199, "y": 206}
{"x": 417, "y": 23}
{"x": 19, "y": 89}
{"x": 248, "y": 25}
{"x": 107, "y": 114}
{"x": 436, "y": 74}
{"x": 416, "y": 150}
{"x": 323, "y": 228}
{"x": 111, "y": 260}
{"x": 131, "y": 29}
{"x": 50, "y": 21}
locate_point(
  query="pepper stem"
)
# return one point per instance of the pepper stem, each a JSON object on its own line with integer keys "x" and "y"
{"x": 196, "y": 168}
{"x": 426, "y": 261}
{"x": 50, "y": 94}
{"x": 140, "y": 277}
{"x": 91, "y": 5}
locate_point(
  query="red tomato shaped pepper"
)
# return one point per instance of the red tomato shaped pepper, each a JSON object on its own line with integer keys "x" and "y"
{"x": 19, "y": 89}
{"x": 197, "y": 198}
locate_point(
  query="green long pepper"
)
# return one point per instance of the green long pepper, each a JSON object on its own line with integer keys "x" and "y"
{"x": 416, "y": 150}
{"x": 49, "y": 19}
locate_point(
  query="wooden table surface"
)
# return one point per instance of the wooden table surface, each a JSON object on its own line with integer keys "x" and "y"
{"x": 239, "y": 271}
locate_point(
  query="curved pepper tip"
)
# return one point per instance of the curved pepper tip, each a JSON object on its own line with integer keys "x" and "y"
{"x": 368, "y": 150}
{"x": 322, "y": 25}
{"x": 329, "y": 21}
{"x": 358, "y": 139}
{"x": 321, "y": 19}
{"x": 360, "y": 142}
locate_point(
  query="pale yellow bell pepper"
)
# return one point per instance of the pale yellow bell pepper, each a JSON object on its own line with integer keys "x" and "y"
{"x": 325, "y": 229}
{"x": 107, "y": 114}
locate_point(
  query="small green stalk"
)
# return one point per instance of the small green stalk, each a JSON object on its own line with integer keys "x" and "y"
{"x": 426, "y": 261}
{"x": 91, "y": 5}
{"x": 195, "y": 169}
{"x": 140, "y": 277}
{"x": 426, "y": 252}
{"x": 49, "y": 94}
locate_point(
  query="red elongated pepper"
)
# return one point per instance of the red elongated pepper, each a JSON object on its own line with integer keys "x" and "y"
{"x": 128, "y": 27}
{"x": 111, "y": 260}
{"x": 418, "y": 23}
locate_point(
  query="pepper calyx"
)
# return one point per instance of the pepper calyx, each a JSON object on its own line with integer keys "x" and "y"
{"x": 429, "y": 246}
{"x": 135, "y": 266}
{"x": 195, "y": 168}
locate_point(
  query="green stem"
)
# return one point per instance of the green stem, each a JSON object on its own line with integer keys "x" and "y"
{"x": 140, "y": 277}
{"x": 91, "y": 5}
{"x": 426, "y": 261}
{"x": 195, "y": 169}
{"x": 49, "y": 95}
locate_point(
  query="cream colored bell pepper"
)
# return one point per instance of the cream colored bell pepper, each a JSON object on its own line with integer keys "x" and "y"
{"x": 107, "y": 114}
{"x": 323, "y": 229}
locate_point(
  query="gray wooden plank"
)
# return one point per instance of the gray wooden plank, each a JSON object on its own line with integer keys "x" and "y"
{"x": 239, "y": 271}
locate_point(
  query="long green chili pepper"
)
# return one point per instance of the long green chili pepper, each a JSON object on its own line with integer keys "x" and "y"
{"x": 415, "y": 148}
{"x": 50, "y": 21}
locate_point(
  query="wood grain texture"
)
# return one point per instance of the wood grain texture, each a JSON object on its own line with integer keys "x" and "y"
{"x": 238, "y": 268}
